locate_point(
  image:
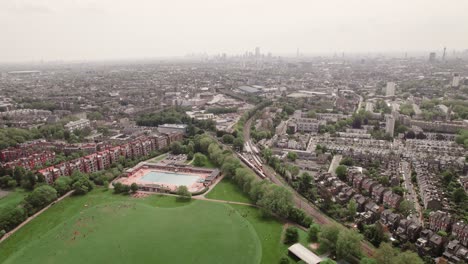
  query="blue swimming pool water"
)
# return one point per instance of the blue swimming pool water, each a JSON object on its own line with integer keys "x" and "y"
{"x": 170, "y": 178}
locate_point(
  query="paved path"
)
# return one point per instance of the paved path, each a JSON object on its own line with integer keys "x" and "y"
{"x": 29, "y": 219}
{"x": 334, "y": 164}
{"x": 222, "y": 201}
{"x": 211, "y": 187}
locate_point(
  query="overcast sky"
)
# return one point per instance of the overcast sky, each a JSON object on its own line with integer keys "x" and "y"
{"x": 114, "y": 29}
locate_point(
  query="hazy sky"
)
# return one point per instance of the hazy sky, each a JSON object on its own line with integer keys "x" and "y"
{"x": 106, "y": 29}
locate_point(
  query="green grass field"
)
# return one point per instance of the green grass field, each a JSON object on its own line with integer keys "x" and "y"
{"x": 102, "y": 227}
{"x": 12, "y": 198}
{"x": 158, "y": 158}
{"x": 208, "y": 164}
{"x": 228, "y": 191}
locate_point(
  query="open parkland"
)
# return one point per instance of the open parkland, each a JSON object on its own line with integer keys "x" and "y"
{"x": 219, "y": 226}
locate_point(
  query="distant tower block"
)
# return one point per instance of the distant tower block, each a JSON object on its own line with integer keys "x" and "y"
{"x": 443, "y": 55}
{"x": 456, "y": 80}
{"x": 390, "y": 90}
{"x": 432, "y": 57}
{"x": 390, "y": 125}
{"x": 257, "y": 51}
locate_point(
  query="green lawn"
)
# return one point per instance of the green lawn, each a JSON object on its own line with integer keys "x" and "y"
{"x": 101, "y": 227}
{"x": 158, "y": 158}
{"x": 208, "y": 164}
{"x": 269, "y": 231}
{"x": 228, "y": 191}
{"x": 13, "y": 198}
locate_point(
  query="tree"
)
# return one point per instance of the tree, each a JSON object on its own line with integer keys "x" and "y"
{"x": 125, "y": 189}
{"x": 294, "y": 170}
{"x": 352, "y": 209}
{"x": 328, "y": 237}
{"x": 238, "y": 144}
{"x": 405, "y": 207}
{"x": 305, "y": 185}
{"x": 229, "y": 166}
{"x": 398, "y": 190}
{"x": 40, "y": 198}
{"x": 29, "y": 180}
{"x": 374, "y": 233}
{"x": 106, "y": 185}
{"x": 299, "y": 216}
{"x": 348, "y": 244}
{"x": 421, "y": 135}
{"x": 62, "y": 185}
{"x": 292, "y": 156}
{"x": 82, "y": 185}
{"x": 291, "y": 235}
{"x": 410, "y": 134}
{"x": 385, "y": 254}
{"x": 177, "y": 148}
{"x": 459, "y": 196}
{"x": 314, "y": 231}
{"x": 311, "y": 114}
{"x": 357, "y": 122}
{"x": 11, "y": 216}
{"x": 328, "y": 261}
{"x": 228, "y": 139}
{"x": 341, "y": 172}
{"x": 11, "y": 184}
{"x": 199, "y": 159}
{"x": 118, "y": 187}
{"x": 184, "y": 193}
{"x": 347, "y": 161}
{"x": 288, "y": 109}
{"x": 275, "y": 200}
{"x": 134, "y": 187}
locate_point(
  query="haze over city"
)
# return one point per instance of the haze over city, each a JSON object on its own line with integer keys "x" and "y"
{"x": 234, "y": 132}
{"x": 34, "y": 30}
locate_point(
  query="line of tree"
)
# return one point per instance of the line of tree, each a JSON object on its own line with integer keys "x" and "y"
{"x": 41, "y": 196}
{"x": 222, "y": 110}
{"x": 169, "y": 116}
{"x": 272, "y": 199}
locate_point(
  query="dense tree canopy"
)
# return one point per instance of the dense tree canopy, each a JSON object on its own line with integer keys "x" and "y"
{"x": 39, "y": 198}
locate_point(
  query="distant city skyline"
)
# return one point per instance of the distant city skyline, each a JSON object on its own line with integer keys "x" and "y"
{"x": 34, "y": 30}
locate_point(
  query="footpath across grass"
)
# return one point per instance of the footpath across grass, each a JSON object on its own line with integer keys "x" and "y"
{"x": 226, "y": 190}
{"x": 101, "y": 227}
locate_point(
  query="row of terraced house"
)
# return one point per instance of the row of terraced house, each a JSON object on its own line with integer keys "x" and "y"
{"x": 38, "y": 153}
{"x": 101, "y": 160}
{"x": 367, "y": 193}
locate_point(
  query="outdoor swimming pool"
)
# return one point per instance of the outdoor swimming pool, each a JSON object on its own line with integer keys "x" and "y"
{"x": 169, "y": 178}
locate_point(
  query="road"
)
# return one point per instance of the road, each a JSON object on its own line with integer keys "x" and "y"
{"x": 411, "y": 195}
{"x": 298, "y": 199}
{"x": 361, "y": 100}
{"x": 334, "y": 164}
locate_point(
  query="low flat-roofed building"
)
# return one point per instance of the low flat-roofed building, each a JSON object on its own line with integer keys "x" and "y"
{"x": 168, "y": 128}
{"x": 304, "y": 254}
{"x": 77, "y": 125}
